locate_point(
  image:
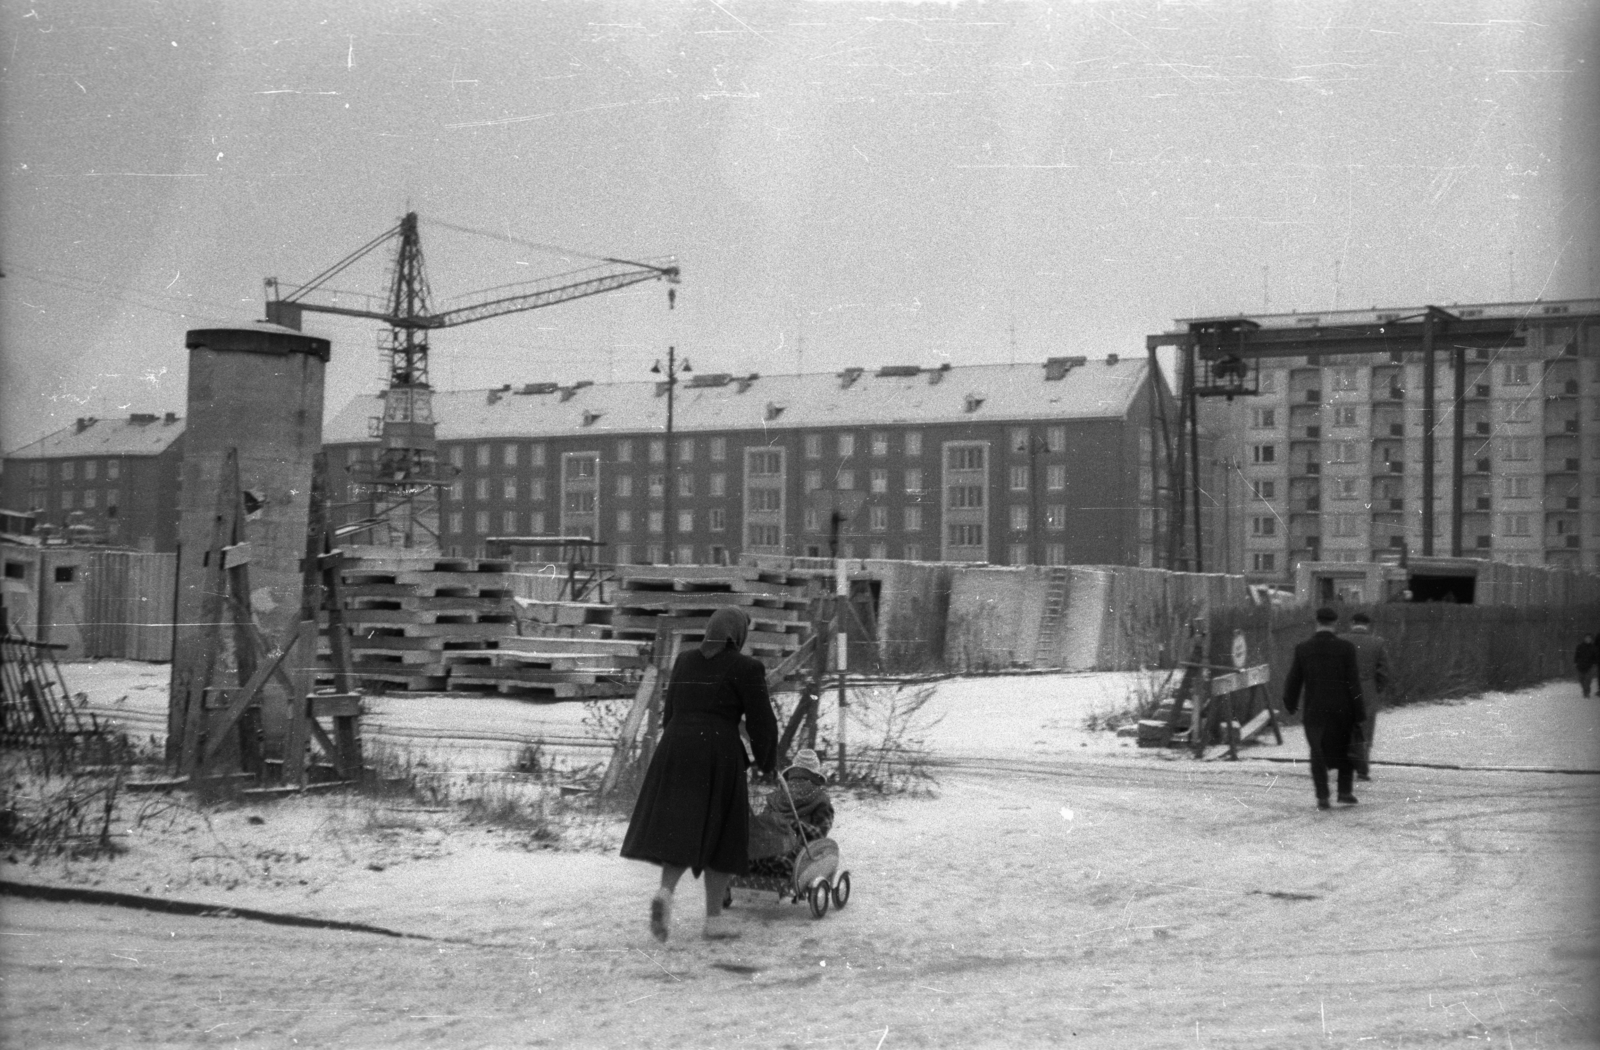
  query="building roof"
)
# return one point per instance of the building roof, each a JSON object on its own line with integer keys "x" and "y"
{"x": 141, "y": 434}
{"x": 1551, "y": 311}
{"x": 1065, "y": 388}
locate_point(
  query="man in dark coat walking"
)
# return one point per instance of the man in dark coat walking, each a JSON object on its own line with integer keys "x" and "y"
{"x": 1372, "y": 657}
{"x": 1585, "y": 659}
{"x": 1326, "y": 670}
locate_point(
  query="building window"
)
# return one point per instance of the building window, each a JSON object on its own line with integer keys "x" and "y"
{"x": 811, "y": 520}
{"x": 658, "y": 486}
{"x": 686, "y": 450}
{"x": 1268, "y": 384}
{"x": 878, "y": 551}
{"x": 880, "y": 443}
{"x": 480, "y": 489}
{"x": 1345, "y": 379}
{"x": 966, "y": 497}
{"x": 482, "y": 455}
{"x": 913, "y": 519}
{"x": 719, "y": 484}
{"x": 457, "y": 491}
{"x": 653, "y": 554}
{"x": 1517, "y": 525}
{"x": 625, "y": 451}
{"x": 686, "y": 554}
{"x": 1342, "y": 452}
{"x": 69, "y": 470}
{"x": 765, "y": 536}
{"x": 685, "y": 522}
{"x": 1519, "y": 487}
{"x": 508, "y": 522}
{"x": 1263, "y": 561}
{"x": 508, "y": 488}
{"x": 766, "y": 499}
{"x": 1055, "y": 477}
{"x": 912, "y": 552}
{"x": 536, "y": 456}
{"x": 480, "y": 522}
{"x": 656, "y": 522}
{"x": 624, "y": 485}
{"x": 966, "y": 535}
{"x": 536, "y": 490}
{"x": 717, "y": 519}
{"x": 847, "y": 445}
{"x": 624, "y": 554}
{"x": 1263, "y": 417}
{"x": 1263, "y": 453}
{"x": 1264, "y": 489}
{"x": 458, "y": 455}
{"x": 1520, "y": 411}
{"x": 455, "y": 521}
{"x": 913, "y": 443}
{"x": 719, "y": 449}
{"x": 1019, "y": 479}
{"x": 1346, "y": 524}
{"x": 1516, "y": 375}
{"x": 508, "y": 455}
{"x": 1345, "y": 416}
{"x": 1263, "y": 526}
{"x": 91, "y": 468}
{"x": 914, "y": 481}
{"x": 113, "y": 500}
{"x": 1055, "y": 439}
{"x": 113, "y": 469}
{"x": 67, "y": 498}
{"x": 88, "y": 499}
{"x": 658, "y": 450}
{"x": 813, "y": 480}
{"x": 845, "y": 480}
{"x": 1017, "y": 554}
{"x": 813, "y": 446}
{"x": 1019, "y": 440}
{"x": 624, "y": 521}
{"x": 966, "y": 457}
{"x": 536, "y": 522}
{"x": 878, "y": 481}
{"x": 686, "y": 484}
{"x": 1019, "y": 517}
{"x": 878, "y": 518}
{"x": 580, "y": 502}
{"x": 1345, "y": 488}
{"x": 1055, "y": 517}
{"x": 764, "y": 462}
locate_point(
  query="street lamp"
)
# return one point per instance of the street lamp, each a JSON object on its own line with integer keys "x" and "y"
{"x": 672, "y": 371}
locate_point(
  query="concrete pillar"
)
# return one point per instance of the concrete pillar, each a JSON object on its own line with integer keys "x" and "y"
{"x": 255, "y": 389}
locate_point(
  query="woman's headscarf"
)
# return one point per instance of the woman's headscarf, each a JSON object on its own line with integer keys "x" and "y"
{"x": 727, "y": 630}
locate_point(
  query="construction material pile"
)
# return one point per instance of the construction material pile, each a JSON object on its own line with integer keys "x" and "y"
{"x": 675, "y": 602}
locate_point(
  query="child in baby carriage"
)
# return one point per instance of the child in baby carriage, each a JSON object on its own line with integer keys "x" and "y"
{"x": 780, "y": 829}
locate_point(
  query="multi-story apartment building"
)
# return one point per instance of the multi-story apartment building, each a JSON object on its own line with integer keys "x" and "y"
{"x": 1325, "y": 463}
{"x": 110, "y": 481}
{"x": 1016, "y": 464}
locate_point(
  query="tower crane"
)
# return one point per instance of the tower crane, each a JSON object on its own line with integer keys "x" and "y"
{"x": 405, "y": 479}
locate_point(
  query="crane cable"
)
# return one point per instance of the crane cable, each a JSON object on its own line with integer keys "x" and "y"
{"x": 342, "y": 264}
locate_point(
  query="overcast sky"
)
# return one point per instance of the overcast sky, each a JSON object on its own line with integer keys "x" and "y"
{"x": 842, "y": 183}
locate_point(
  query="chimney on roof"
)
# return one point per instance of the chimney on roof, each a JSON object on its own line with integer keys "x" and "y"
{"x": 589, "y": 417}
{"x": 1112, "y": 359}
{"x": 848, "y": 377}
{"x": 974, "y": 402}
{"x": 1056, "y": 368}
{"x": 937, "y": 374}
{"x": 493, "y": 396}
{"x": 170, "y": 418}
{"x": 774, "y": 410}
{"x": 81, "y": 424}
{"x": 140, "y": 418}
{"x": 745, "y": 381}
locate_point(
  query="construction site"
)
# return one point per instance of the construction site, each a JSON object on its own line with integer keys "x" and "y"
{"x": 318, "y": 713}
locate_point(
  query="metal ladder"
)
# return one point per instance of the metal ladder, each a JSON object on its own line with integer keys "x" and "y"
{"x": 1055, "y": 602}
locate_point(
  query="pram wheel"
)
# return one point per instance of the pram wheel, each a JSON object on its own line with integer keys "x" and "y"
{"x": 821, "y": 891}
{"x": 841, "y": 890}
{"x": 727, "y": 897}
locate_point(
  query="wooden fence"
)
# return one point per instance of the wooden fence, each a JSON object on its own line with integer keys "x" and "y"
{"x": 1436, "y": 650}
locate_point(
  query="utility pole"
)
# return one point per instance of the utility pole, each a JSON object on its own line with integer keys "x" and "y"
{"x": 670, "y": 526}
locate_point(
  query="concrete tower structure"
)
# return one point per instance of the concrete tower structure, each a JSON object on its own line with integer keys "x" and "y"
{"x": 255, "y": 391}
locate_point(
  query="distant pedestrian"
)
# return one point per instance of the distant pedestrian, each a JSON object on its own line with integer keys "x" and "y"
{"x": 1372, "y": 657}
{"x": 1587, "y": 658}
{"x": 1326, "y": 670}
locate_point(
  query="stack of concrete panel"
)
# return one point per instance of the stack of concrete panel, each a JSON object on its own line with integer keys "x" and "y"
{"x": 552, "y": 668}
{"x": 412, "y": 615}
{"x": 679, "y": 599}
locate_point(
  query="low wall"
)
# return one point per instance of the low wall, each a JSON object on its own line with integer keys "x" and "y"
{"x": 913, "y": 605}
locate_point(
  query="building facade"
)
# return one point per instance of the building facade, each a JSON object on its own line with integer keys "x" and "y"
{"x": 1325, "y": 462}
{"x": 1014, "y": 464}
{"x": 102, "y": 481}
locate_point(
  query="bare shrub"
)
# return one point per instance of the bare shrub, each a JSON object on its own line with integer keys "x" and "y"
{"x": 1148, "y": 689}
{"x": 887, "y": 751}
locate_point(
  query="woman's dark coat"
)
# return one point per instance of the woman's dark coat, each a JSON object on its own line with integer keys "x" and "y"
{"x": 1326, "y": 671}
{"x": 694, "y": 808}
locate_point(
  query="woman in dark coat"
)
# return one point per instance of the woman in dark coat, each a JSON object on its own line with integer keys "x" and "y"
{"x": 694, "y": 809}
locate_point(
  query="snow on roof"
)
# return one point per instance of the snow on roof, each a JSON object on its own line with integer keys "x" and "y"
{"x": 141, "y": 434}
{"x": 1070, "y": 388}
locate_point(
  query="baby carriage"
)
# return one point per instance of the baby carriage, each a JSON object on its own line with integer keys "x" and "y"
{"x": 810, "y": 871}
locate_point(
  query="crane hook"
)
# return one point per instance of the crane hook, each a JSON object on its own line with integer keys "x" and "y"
{"x": 672, "y": 297}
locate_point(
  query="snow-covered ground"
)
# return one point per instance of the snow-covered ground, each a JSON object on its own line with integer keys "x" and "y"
{"x": 1102, "y": 896}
